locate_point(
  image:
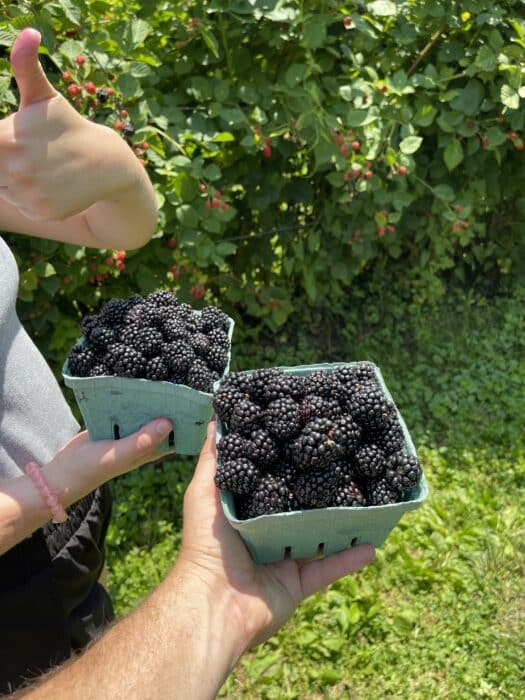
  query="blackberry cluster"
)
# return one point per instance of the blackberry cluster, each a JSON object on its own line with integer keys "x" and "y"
{"x": 329, "y": 438}
{"x": 154, "y": 337}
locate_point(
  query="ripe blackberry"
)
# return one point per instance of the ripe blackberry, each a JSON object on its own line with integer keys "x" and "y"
{"x": 369, "y": 406}
{"x": 153, "y": 315}
{"x": 101, "y": 337}
{"x": 178, "y": 357}
{"x": 213, "y": 317}
{"x": 323, "y": 383}
{"x": 99, "y": 370}
{"x": 272, "y": 495}
{"x": 282, "y": 418}
{"x": 201, "y": 377}
{"x": 162, "y": 298}
{"x": 224, "y": 401}
{"x": 258, "y": 380}
{"x": 232, "y": 446}
{"x": 184, "y": 311}
{"x": 346, "y": 433}
{"x": 237, "y": 475}
{"x": 102, "y": 95}
{"x": 314, "y": 448}
{"x": 315, "y": 489}
{"x": 219, "y": 338}
{"x": 216, "y": 358}
{"x": 89, "y": 323}
{"x": 344, "y": 469}
{"x": 127, "y": 362}
{"x": 317, "y": 407}
{"x": 80, "y": 360}
{"x": 239, "y": 381}
{"x": 157, "y": 369}
{"x": 245, "y": 417}
{"x": 380, "y": 493}
{"x": 113, "y": 312}
{"x": 174, "y": 328}
{"x": 389, "y": 437}
{"x": 369, "y": 462}
{"x": 200, "y": 343}
{"x": 128, "y": 130}
{"x": 348, "y": 495}
{"x": 358, "y": 373}
{"x": 262, "y": 449}
{"x": 146, "y": 339}
{"x": 283, "y": 385}
{"x": 403, "y": 471}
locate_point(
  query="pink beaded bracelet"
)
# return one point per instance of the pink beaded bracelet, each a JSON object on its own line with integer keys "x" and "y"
{"x": 49, "y": 497}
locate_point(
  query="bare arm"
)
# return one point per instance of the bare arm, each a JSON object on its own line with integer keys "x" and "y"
{"x": 78, "y": 468}
{"x": 64, "y": 177}
{"x": 215, "y": 603}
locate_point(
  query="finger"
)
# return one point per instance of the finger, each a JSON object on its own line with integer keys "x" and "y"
{"x": 139, "y": 447}
{"x": 207, "y": 464}
{"x": 32, "y": 82}
{"x": 318, "y": 574}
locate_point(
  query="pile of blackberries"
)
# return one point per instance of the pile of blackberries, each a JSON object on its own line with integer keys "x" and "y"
{"x": 328, "y": 438}
{"x": 155, "y": 337}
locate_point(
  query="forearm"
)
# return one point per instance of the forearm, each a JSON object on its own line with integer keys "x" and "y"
{"x": 22, "y": 508}
{"x": 180, "y": 643}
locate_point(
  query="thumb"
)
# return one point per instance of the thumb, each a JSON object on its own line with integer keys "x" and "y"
{"x": 142, "y": 446}
{"x": 32, "y": 82}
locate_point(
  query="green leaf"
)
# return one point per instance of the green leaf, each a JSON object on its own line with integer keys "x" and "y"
{"x": 410, "y": 145}
{"x": 425, "y": 115}
{"x": 486, "y": 59}
{"x": 71, "y": 11}
{"x": 187, "y": 216}
{"x": 444, "y": 192}
{"x": 509, "y": 97}
{"x": 496, "y": 136}
{"x": 469, "y": 99}
{"x": 453, "y": 154}
{"x": 361, "y": 117}
{"x": 136, "y": 33}
{"x": 314, "y": 33}
{"x": 210, "y": 40}
{"x": 382, "y": 8}
{"x": 295, "y": 74}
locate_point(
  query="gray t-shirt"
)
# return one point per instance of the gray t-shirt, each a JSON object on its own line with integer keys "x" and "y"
{"x": 35, "y": 419}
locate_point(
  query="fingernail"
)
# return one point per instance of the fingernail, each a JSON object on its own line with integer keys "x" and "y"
{"x": 163, "y": 426}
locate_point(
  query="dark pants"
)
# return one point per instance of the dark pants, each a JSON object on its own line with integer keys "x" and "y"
{"x": 51, "y": 603}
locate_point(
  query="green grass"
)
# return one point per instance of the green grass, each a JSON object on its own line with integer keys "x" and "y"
{"x": 441, "y": 611}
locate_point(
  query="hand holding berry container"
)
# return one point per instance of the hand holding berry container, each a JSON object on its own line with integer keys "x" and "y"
{"x": 142, "y": 358}
{"x": 313, "y": 459}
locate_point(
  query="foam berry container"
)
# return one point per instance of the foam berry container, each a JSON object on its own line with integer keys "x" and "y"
{"x": 114, "y": 407}
{"x": 307, "y": 533}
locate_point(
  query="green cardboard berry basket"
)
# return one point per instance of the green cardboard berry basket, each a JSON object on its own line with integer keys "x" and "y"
{"x": 114, "y": 407}
{"x": 306, "y": 533}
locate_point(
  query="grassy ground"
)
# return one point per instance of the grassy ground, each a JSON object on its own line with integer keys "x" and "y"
{"x": 441, "y": 611}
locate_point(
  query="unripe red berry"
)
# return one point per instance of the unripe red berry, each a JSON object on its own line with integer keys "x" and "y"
{"x": 343, "y": 150}
{"x": 356, "y": 145}
{"x": 110, "y": 91}
{"x": 172, "y": 243}
{"x": 197, "y": 291}
{"x": 109, "y": 260}
{"x": 203, "y": 187}
{"x": 119, "y": 125}
{"x": 144, "y": 145}
{"x": 218, "y": 194}
{"x": 369, "y": 174}
{"x": 90, "y": 87}
{"x": 215, "y": 203}
{"x": 268, "y": 140}
{"x": 66, "y": 75}
{"x": 120, "y": 265}
{"x": 80, "y": 60}
{"x": 207, "y": 204}
{"x": 124, "y": 113}
{"x": 93, "y": 267}
{"x": 456, "y": 226}
{"x": 402, "y": 170}
{"x": 391, "y": 228}
{"x": 194, "y": 21}
{"x": 67, "y": 279}
{"x": 512, "y": 135}
{"x": 120, "y": 255}
{"x": 257, "y": 131}
{"x": 175, "y": 272}
{"x": 347, "y": 21}
{"x": 267, "y": 151}
{"x": 73, "y": 90}
{"x": 224, "y": 206}
{"x": 380, "y": 231}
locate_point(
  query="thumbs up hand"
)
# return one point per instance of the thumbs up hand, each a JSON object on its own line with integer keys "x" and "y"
{"x": 54, "y": 163}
